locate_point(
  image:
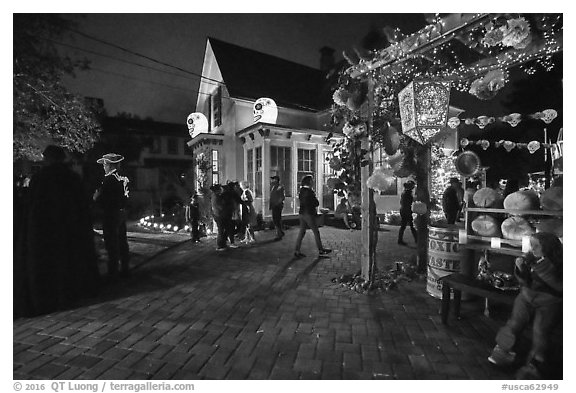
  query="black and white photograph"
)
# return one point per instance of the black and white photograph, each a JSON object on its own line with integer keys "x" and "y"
{"x": 361, "y": 196}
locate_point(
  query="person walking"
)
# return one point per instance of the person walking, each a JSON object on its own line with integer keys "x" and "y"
{"x": 450, "y": 201}
{"x": 248, "y": 213}
{"x": 406, "y": 212}
{"x": 307, "y": 216}
{"x": 277, "y": 197}
{"x": 113, "y": 196}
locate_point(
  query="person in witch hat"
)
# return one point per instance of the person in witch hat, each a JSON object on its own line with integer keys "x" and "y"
{"x": 113, "y": 196}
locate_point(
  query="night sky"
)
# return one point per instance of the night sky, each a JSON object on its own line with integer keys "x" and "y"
{"x": 180, "y": 40}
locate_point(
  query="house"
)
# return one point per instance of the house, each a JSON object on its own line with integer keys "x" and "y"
{"x": 244, "y": 149}
{"x": 238, "y": 86}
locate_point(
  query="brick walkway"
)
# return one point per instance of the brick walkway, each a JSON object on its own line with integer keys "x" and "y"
{"x": 255, "y": 313}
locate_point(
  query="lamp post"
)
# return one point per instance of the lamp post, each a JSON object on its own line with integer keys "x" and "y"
{"x": 424, "y": 108}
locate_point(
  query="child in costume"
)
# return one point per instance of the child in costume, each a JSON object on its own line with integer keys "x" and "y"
{"x": 540, "y": 301}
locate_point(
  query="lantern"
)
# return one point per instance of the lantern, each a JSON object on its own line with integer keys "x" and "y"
{"x": 424, "y": 109}
{"x": 197, "y": 124}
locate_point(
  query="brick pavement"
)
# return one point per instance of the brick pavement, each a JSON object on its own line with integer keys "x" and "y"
{"x": 256, "y": 313}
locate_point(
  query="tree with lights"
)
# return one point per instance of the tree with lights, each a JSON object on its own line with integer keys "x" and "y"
{"x": 45, "y": 112}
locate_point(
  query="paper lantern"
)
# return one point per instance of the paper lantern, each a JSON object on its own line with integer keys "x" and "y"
{"x": 424, "y": 108}
{"x": 197, "y": 124}
{"x": 265, "y": 110}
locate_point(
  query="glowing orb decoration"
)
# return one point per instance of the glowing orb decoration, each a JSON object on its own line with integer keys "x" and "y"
{"x": 197, "y": 124}
{"x": 424, "y": 108}
{"x": 265, "y": 110}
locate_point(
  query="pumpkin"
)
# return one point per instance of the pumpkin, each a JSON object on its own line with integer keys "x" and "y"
{"x": 487, "y": 197}
{"x": 486, "y": 226}
{"x": 522, "y": 200}
{"x": 551, "y": 225}
{"x": 552, "y": 199}
{"x": 516, "y": 227}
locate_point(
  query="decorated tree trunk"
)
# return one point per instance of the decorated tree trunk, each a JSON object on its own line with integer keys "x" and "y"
{"x": 423, "y": 195}
{"x": 369, "y": 220}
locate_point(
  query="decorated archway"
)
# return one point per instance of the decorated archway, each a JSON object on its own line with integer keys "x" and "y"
{"x": 472, "y": 52}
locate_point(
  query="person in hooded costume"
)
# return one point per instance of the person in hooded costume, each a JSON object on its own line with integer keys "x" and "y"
{"x": 60, "y": 256}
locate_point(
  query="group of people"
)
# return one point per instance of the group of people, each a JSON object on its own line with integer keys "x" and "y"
{"x": 235, "y": 216}
{"x": 55, "y": 259}
{"x": 233, "y": 211}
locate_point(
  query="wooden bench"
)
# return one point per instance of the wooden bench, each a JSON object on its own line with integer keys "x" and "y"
{"x": 459, "y": 283}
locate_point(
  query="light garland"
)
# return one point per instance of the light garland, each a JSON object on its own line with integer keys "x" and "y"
{"x": 404, "y": 61}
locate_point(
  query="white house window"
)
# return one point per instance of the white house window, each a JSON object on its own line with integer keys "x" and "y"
{"x": 216, "y": 103}
{"x": 258, "y": 180}
{"x": 327, "y": 173}
{"x": 306, "y": 163}
{"x": 250, "y": 165}
{"x": 215, "y": 168}
{"x": 280, "y": 165}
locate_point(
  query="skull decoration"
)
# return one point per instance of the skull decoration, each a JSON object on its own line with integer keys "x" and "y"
{"x": 265, "y": 110}
{"x": 453, "y": 122}
{"x": 485, "y": 144}
{"x": 483, "y": 121}
{"x": 508, "y": 145}
{"x": 197, "y": 123}
{"x": 533, "y": 146}
{"x": 513, "y": 119}
{"x": 464, "y": 142}
{"x": 548, "y": 115}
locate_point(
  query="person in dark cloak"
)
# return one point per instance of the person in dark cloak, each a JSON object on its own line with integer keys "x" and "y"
{"x": 225, "y": 200}
{"x": 60, "y": 256}
{"x": 450, "y": 201}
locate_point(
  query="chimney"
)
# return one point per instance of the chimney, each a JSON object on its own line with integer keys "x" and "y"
{"x": 326, "y": 58}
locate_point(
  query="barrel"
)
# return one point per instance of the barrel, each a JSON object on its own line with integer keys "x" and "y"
{"x": 445, "y": 256}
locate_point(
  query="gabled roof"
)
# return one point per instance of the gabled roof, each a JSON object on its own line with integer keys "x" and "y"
{"x": 250, "y": 74}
